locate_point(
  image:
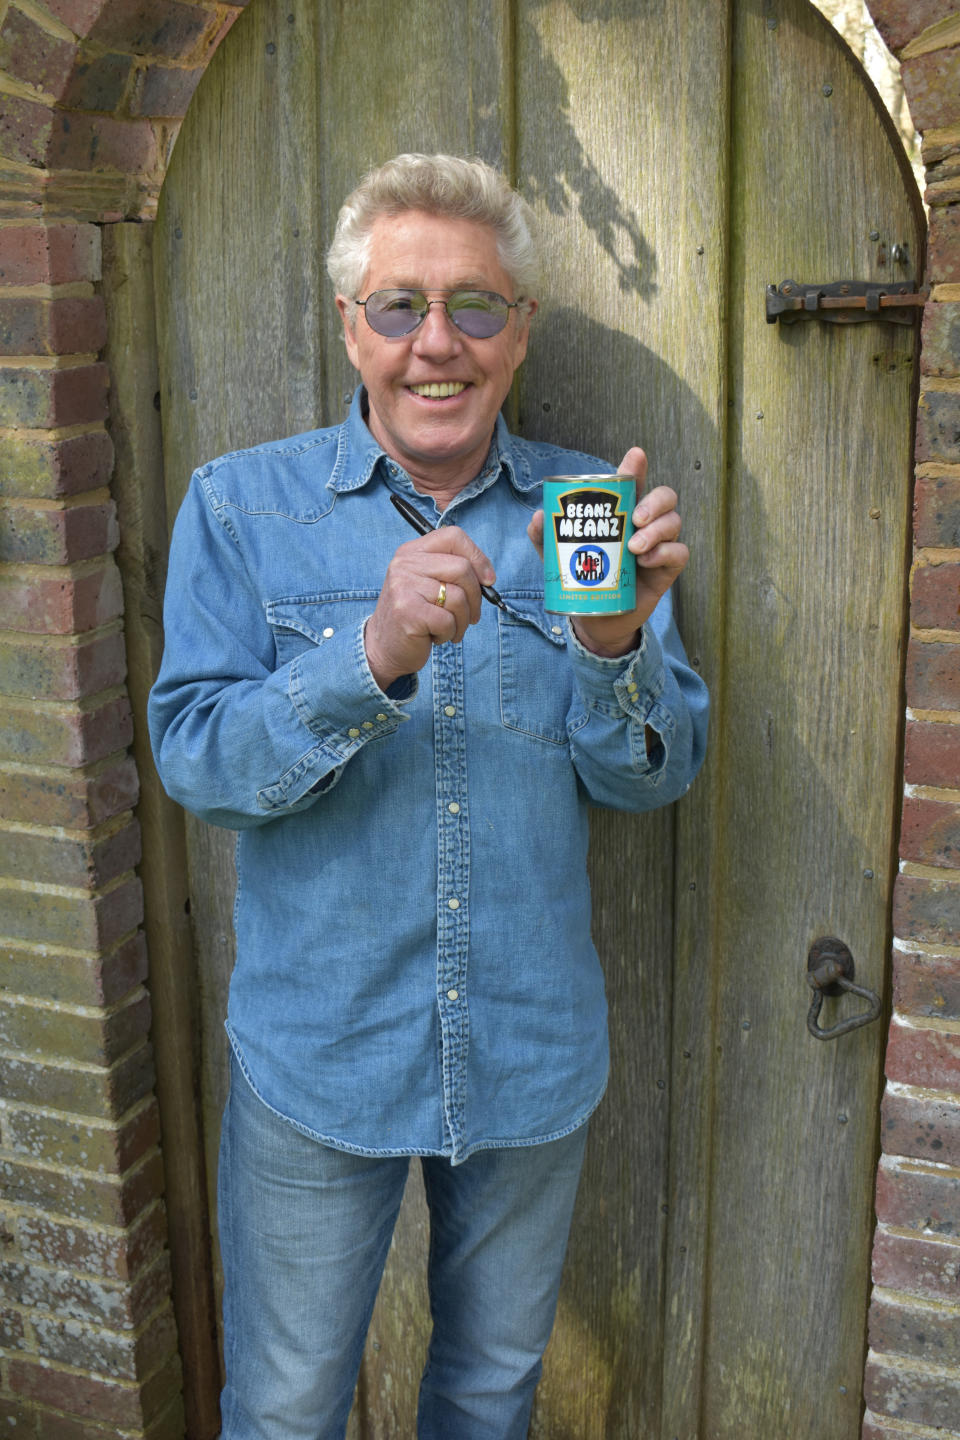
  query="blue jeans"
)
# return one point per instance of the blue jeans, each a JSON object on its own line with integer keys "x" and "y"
{"x": 304, "y": 1234}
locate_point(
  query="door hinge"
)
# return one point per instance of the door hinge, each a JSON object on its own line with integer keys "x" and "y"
{"x": 845, "y": 302}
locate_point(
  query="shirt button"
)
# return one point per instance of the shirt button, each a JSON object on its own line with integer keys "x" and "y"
{"x": 381, "y": 718}
{"x": 453, "y": 994}
{"x": 556, "y": 629}
{"x": 367, "y": 725}
{"x": 449, "y": 709}
{"x": 353, "y": 733}
{"x": 328, "y": 631}
{"x": 632, "y": 687}
{"x": 454, "y": 903}
{"x": 454, "y": 808}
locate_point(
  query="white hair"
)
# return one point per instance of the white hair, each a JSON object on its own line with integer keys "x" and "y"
{"x": 440, "y": 185}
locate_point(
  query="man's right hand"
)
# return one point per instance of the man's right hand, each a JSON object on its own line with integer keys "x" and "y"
{"x": 408, "y": 621}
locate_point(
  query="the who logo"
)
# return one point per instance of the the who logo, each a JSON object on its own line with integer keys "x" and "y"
{"x": 589, "y": 565}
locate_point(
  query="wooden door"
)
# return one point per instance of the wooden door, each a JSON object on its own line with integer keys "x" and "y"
{"x": 681, "y": 155}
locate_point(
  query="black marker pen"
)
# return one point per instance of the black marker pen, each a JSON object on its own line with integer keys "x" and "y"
{"x": 423, "y": 527}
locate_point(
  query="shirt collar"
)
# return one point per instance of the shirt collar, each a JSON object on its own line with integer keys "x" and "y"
{"x": 358, "y": 456}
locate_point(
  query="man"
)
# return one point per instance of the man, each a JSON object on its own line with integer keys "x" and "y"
{"x": 409, "y": 767}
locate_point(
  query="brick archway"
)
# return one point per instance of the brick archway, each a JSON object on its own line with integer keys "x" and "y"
{"x": 93, "y": 95}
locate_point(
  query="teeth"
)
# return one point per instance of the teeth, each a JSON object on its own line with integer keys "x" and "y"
{"x": 441, "y": 391}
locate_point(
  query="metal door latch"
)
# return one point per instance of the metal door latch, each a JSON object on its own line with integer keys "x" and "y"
{"x": 846, "y": 302}
{"x": 830, "y": 971}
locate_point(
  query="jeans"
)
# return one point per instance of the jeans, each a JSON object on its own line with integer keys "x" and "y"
{"x": 304, "y": 1235}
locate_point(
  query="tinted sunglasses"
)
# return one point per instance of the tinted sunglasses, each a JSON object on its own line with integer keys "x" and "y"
{"x": 477, "y": 313}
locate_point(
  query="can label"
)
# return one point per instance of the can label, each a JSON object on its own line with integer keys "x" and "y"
{"x": 587, "y": 568}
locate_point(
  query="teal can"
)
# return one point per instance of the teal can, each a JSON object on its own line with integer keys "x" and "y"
{"x": 587, "y": 521}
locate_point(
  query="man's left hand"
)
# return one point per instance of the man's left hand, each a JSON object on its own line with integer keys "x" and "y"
{"x": 660, "y": 557}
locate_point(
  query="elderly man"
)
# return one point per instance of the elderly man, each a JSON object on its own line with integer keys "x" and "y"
{"x": 409, "y": 767}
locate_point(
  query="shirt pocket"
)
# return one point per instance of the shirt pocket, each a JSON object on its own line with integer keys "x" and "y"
{"x": 535, "y": 682}
{"x": 300, "y": 622}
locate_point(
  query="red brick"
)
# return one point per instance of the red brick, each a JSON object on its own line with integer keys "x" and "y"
{"x": 64, "y": 857}
{"x": 66, "y": 325}
{"x": 919, "y": 1127}
{"x": 95, "y": 1397}
{"x": 169, "y": 1424}
{"x": 926, "y": 985}
{"x": 930, "y": 833}
{"x": 931, "y": 84}
{"x": 900, "y": 21}
{"x": 73, "y": 1141}
{"x": 119, "y": 1256}
{"x": 935, "y": 596}
{"x": 85, "y": 1090}
{"x": 913, "y": 1196}
{"x": 32, "y": 54}
{"x": 916, "y": 1265}
{"x": 940, "y": 352}
{"x": 95, "y": 1038}
{"x": 11, "y": 1330}
{"x": 51, "y": 469}
{"x": 66, "y": 797}
{"x": 64, "y": 734}
{"x": 122, "y": 1354}
{"x": 74, "y": 979}
{"x": 57, "y": 254}
{"x": 98, "y": 82}
{"x": 936, "y": 512}
{"x": 920, "y": 1055}
{"x": 68, "y": 602}
{"x": 78, "y": 15}
{"x": 926, "y": 910}
{"x": 164, "y": 28}
{"x": 78, "y": 1297}
{"x": 100, "y": 1199}
{"x": 165, "y": 90}
{"x": 79, "y": 141}
{"x": 932, "y": 754}
{"x": 25, "y": 130}
{"x": 943, "y": 245}
{"x": 87, "y": 921}
{"x": 933, "y": 675}
{"x": 938, "y": 427}
{"x": 62, "y": 668}
{"x": 914, "y": 1395}
{"x": 914, "y": 1328}
{"x": 19, "y": 1420}
{"x": 57, "y": 535}
{"x": 38, "y": 399}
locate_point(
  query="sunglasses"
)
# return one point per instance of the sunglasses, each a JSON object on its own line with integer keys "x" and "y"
{"x": 477, "y": 313}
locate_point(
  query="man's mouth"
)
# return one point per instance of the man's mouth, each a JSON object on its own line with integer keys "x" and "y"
{"x": 439, "y": 390}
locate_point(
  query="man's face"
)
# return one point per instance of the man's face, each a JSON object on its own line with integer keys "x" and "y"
{"x": 442, "y": 439}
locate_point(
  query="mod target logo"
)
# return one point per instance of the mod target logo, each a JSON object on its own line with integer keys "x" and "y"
{"x": 589, "y": 565}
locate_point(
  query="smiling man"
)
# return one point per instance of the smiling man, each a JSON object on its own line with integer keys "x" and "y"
{"x": 409, "y": 757}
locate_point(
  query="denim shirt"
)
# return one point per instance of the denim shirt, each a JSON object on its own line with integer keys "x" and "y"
{"x": 415, "y": 972}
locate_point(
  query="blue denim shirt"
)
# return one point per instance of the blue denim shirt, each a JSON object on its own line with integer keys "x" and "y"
{"x": 415, "y": 973}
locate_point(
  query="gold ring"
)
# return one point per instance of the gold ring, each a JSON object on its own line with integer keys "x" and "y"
{"x": 441, "y": 599}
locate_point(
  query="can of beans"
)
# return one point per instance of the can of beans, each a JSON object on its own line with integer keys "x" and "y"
{"x": 587, "y": 521}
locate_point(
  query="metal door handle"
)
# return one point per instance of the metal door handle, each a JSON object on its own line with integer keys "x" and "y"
{"x": 830, "y": 971}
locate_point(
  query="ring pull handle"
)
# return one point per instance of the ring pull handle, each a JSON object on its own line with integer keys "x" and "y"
{"x": 830, "y": 971}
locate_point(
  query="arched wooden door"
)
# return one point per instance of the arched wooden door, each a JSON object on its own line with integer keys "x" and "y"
{"x": 681, "y": 154}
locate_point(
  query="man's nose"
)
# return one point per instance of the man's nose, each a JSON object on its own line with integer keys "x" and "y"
{"x": 436, "y": 332}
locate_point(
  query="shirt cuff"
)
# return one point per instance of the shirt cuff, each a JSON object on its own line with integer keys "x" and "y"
{"x": 336, "y": 697}
{"x": 629, "y": 684}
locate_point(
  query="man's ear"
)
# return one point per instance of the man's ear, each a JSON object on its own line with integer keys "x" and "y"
{"x": 348, "y": 314}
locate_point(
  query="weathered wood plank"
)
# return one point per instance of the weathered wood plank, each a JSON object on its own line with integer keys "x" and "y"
{"x": 819, "y": 448}
{"x": 621, "y": 149}
{"x": 138, "y": 489}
